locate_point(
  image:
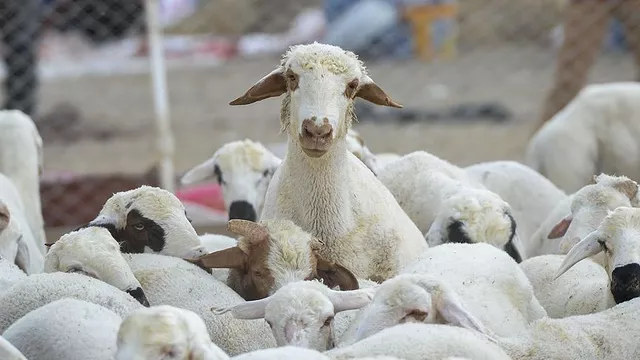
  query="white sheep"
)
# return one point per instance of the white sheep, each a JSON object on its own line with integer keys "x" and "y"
{"x": 149, "y": 219}
{"x": 594, "y": 133}
{"x": 40, "y": 289}
{"x": 588, "y": 206}
{"x": 66, "y": 329}
{"x": 584, "y": 289}
{"x": 530, "y": 195}
{"x": 9, "y": 274}
{"x": 475, "y": 286}
{"x": 243, "y": 169}
{"x": 305, "y": 313}
{"x": 448, "y": 205}
{"x": 9, "y": 352}
{"x": 93, "y": 252}
{"x": 21, "y": 161}
{"x": 611, "y": 334}
{"x": 420, "y": 342}
{"x": 617, "y": 237}
{"x": 165, "y": 332}
{"x": 17, "y": 243}
{"x": 356, "y": 146}
{"x": 320, "y": 185}
{"x": 273, "y": 253}
{"x": 283, "y": 352}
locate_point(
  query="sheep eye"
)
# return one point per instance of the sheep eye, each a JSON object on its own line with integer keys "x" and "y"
{"x": 353, "y": 84}
{"x": 269, "y": 323}
{"x": 266, "y": 173}
{"x": 74, "y": 269}
{"x": 138, "y": 227}
{"x": 292, "y": 77}
{"x": 328, "y": 321}
{"x": 603, "y": 244}
{"x": 218, "y": 174}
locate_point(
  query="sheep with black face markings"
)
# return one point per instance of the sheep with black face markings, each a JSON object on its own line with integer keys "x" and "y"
{"x": 243, "y": 169}
{"x": 448, "y": 205}
{"x": 320, "y": 185}
{"x": 21, "y": 161}
{"x": 149, "y": 219}
{"x": 271, "y": 254}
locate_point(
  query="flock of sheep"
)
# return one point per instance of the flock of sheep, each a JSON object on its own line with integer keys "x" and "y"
{"x": 341, "y": 253}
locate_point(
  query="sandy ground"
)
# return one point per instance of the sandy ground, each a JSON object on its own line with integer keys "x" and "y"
{"x": 517, "y": 77}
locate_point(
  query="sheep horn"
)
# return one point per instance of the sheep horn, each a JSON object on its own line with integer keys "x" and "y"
{"x": 253, "y": 231}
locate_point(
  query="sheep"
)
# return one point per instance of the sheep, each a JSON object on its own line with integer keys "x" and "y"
{"x": 271, "y": 254}
{"x": 40, "y": 289}
{"x": 470, "y": 285}
{"x": 420, "y": 342}
{"x": 21, "y": 161}
{"x": 165, "y": 332}
{"x": 93, "y": 252}
{"x": 594, "y": 133}
{"x": 66, "y": 329}
{"x": 616, "y": 236}
{"x": 588, "y": 207}
{"x": 320, "y": 185}
{"x": 9, "y": 274}
{"x": 530, "y": 195}
{"x": 9, "y": 352}
{"x": 583, "y": 290}
{"x": 243, "y": 169}
{"x": 149, "y": 219}
{"x": 448, "y": 205}
{"x": 302, "y": 313}
{"x": 17, "y": 243}
{"x": 356, "y": 146}
{"x": 611, "y": 334}
{"x": 284, "y": 352}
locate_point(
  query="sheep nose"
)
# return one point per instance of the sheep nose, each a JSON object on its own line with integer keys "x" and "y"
{"x": 625, "y": 282}
{"x": 310, "y": 129}
{"x": 242, "y": 210}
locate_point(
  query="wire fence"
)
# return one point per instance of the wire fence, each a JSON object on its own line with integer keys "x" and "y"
{"x": 81, "y": 70}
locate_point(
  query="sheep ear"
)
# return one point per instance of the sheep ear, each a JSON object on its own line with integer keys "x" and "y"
{"x": 5, "y": 216}
{"x": 371, "y": 92}
{"x": 232, "y": 258}
{"x": 271, "y": 85}
{"x": 561, "y": 227}
{"x": 247, "y": 310}
{"x": 199, "y": 172}
{"x": 335, "y": 274}
{"x": 587, "y": 247}
{"x": 451, "y": 310}
{"x": 627, "y": 187}
{"x": 351, "y": 299}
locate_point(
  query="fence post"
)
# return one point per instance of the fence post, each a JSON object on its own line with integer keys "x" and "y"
{"x": 166, "y": 144}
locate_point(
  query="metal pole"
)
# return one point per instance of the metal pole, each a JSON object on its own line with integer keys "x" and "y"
{"x": 165, "y": 144}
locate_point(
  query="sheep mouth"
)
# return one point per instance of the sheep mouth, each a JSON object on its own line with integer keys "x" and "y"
{"x": 314, "y": 153}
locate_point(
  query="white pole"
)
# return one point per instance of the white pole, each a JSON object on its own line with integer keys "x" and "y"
{"x": 160, "y": 95}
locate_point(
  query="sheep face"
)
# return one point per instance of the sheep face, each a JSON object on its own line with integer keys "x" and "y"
{"x": 412, "y": 298}
{"x": 152, "y": 220}
{"x": 10, "y": 233}
{"x": 93, "y": 252}
{"x": 301, "y": 313}
{"x": 165, "y": 332}
{"x": 321, "y": 83}
{"x": 484, "y": 217}
{"x": 243, "y": 169}
{"x": 271, "y": 254}
{"x": 590, "y": 205}
{"x": 618, "y": 236}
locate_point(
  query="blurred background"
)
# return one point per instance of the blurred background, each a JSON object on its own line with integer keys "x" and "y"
{"x": 476, "y": 78}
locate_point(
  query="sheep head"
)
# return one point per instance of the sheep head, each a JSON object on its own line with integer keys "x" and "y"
{"x": 617, "y": 237}
{"x": 149, "y": 219}
{"x": 165, "y": 332}
{"x": 243, "y": 169}
{"x": 93, "y": 252}
{"x": 271, "y": 254}
{"x": 321, "y": 83}
{"x": 301, "y": 313}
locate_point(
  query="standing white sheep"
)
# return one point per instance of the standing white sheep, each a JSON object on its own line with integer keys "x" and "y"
{"x": 448, "y": 205}
{"x": 66, "y": 329}
{"x": 243, "y": 169}
{"x": 21, "y": 161}
{"x": 595, "y": 133}
{"x": 320, "y": 185}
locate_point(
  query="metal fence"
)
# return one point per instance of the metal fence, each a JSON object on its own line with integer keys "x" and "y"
{"x": 81, "y": 69}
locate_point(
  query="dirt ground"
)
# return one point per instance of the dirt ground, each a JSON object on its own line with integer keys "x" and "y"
{"x": 516, "y": 77}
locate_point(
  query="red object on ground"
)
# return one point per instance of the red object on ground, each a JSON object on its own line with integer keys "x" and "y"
{"x": 209, "y": 195}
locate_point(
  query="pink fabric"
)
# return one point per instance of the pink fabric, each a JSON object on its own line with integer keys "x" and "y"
{"x": 209, "y": 195}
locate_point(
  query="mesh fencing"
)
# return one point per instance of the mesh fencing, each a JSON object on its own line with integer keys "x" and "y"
{"x": 80, "y": 69}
